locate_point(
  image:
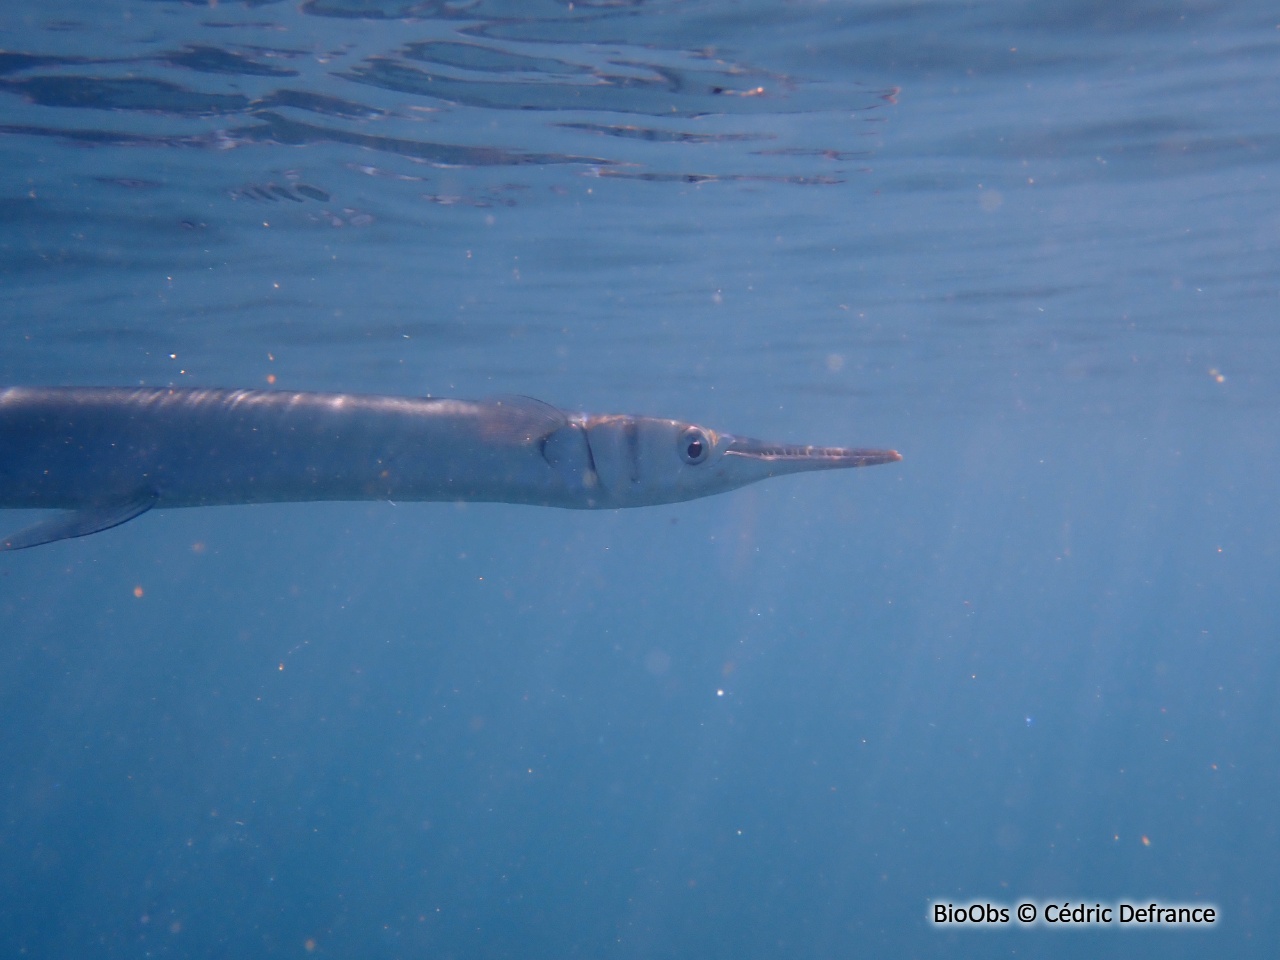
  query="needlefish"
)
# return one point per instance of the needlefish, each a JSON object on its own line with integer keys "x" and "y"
{"x": 105, "y": 455}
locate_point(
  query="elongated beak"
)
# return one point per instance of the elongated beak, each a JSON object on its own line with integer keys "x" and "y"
{"x": 793, "y": 458}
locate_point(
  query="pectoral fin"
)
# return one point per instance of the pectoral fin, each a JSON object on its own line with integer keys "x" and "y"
{"x": 522, "y": 418}
{"x": 80, "y": 523}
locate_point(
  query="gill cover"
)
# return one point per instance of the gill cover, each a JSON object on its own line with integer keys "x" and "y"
{"x": 567, "y": 451}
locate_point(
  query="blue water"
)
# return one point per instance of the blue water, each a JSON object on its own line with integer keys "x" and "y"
{"x": 1032, "y": 246}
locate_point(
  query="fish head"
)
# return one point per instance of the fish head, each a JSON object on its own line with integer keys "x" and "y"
{"x": 640, "y": 461}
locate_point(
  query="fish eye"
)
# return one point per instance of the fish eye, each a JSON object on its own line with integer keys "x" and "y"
{"x": 694, "y": 446}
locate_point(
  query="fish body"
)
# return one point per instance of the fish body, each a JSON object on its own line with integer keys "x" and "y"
{"x": 105, "y": 455}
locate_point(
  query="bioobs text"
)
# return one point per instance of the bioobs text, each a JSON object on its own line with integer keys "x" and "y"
{"x": 973, "y": 913}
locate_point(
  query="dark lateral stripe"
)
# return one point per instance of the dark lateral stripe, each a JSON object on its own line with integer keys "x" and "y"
{"x": 633, "y": 449}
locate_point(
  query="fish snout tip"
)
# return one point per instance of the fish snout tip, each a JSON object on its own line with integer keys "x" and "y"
{"x": 872, "y": 458}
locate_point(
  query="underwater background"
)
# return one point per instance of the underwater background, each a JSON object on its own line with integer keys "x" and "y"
{"x": 1032, "y": 246}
